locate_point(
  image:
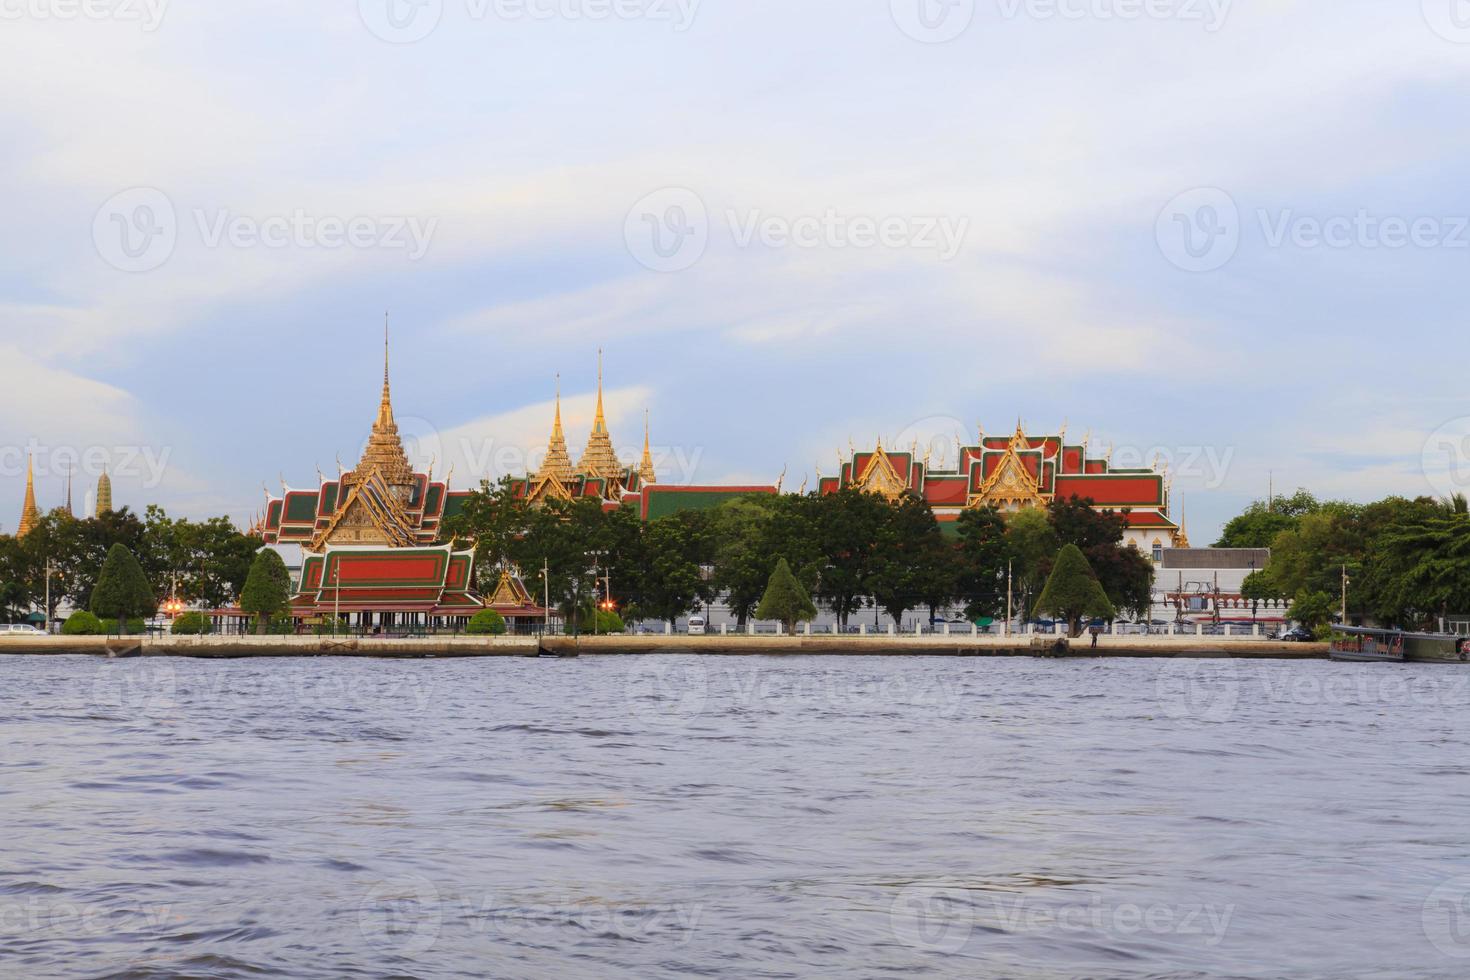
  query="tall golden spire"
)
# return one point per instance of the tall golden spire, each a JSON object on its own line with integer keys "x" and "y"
{"x": 104, "y": 493}
{"x": 557, "y": 463}
{"x": 384, "y": 451}
{"x": 600, "y": 459}
{"x": 647, "y": 473}
{"x": 30, "y": 515}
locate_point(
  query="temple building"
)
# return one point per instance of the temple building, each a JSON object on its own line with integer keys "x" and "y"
{"x": 1015, "y": 472}
{"x": 369, "y": 542}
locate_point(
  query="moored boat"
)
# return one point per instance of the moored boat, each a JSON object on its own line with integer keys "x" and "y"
{"x": 1356, "y": 643}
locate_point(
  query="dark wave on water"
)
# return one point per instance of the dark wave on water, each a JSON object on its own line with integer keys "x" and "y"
{"x": 741, "y": 817}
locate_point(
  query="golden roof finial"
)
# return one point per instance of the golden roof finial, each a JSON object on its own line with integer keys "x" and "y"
{"x": 599, "y": 423}
{"x": 30, "y": 514}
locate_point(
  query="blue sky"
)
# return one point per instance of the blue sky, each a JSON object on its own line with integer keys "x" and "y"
{"x": 898, "y": 220}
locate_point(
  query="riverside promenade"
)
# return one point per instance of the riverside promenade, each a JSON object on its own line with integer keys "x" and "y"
{"x": 934, "y": 645}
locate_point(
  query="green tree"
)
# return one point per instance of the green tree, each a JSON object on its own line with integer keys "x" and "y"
{"x": 670, "y": 579}
{"x": 848, "y": 526}
{"x": 982, "y": 556}
{"x": 1261, "y": 522}
{"x": 909, "y": 562}
{"x": 267, "y": 591}
{"x": 122, "y": 589}
{"x": 486, "y": 622}
{"x": 1312, "y": 609}
{"x": 1033, "y": 544}
{"x": 190, "y": 624}
{"x": 1126, "y": 574}
{"x": 1072, "y": 592}
{"x": 786, "y": 600}
{"x": 81, "y": 623}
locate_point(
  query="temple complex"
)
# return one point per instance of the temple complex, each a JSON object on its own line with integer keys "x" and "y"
{"x": 1015, "y": 472}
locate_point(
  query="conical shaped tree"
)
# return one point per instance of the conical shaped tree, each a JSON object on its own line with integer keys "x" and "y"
{"x": 785, "y": 599}
{"x": 1073, "y": 592}
{"x": 267, "y": 589}
{"x": 122, "y": 590}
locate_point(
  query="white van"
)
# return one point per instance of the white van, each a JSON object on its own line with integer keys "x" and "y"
{"x": 696, "y": 625}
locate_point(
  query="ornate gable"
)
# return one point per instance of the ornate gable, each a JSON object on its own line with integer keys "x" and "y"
{"x": 1011, "y": 485}
{"x": 371, "y": 514}
{"x": 881, "y": 477}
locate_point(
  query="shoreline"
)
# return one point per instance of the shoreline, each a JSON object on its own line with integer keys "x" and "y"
{"x": 242, "y": 647}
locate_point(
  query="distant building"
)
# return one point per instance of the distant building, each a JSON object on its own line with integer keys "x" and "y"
{"x": 1203, "y": 585}
{"x": 1017, "y": 472}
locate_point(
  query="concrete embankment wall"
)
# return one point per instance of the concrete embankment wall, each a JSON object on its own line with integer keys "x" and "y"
{"x": 227, "y": 647}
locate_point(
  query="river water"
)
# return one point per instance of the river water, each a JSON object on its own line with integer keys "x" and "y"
{"x": 741, "y": 817}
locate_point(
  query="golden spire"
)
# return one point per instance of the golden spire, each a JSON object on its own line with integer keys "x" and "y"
{"x": 600, "y": 459}
{"x": 557, "y": 463}
{"x": 384, "y": 451}
{"x": 104, "y": 492}
{"x": 1181, "y": 538}
{"x": 647, "y": 473}
{"x": 30, "y": 515}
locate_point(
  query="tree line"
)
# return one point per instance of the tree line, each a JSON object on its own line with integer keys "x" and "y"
{"x": 1407, "y": 561}
{"x": 850, "y": 551}
{"x": 199, "y": 561}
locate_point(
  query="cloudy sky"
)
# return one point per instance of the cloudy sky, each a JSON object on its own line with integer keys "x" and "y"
{"x": 1230, "y": 234}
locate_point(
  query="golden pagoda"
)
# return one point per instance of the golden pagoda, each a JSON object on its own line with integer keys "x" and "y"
{"x": 30, "y": 515}
{"x": 104, "y": 493}
{"x": 647, "y": 473}
{"x": 600, "y": 459}
{"x": 384, "y": 453}
{"x": 558, "y": 464}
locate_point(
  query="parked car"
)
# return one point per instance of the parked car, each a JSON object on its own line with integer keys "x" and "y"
{"x": 24, "y": 629}
{"x": 1297, "y": 634}
{"x": 696, "y": 626}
